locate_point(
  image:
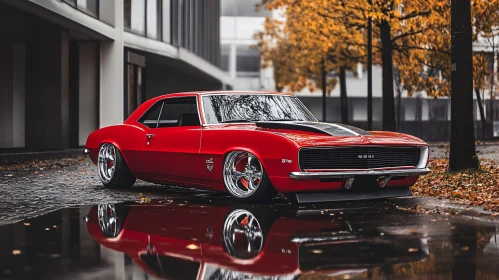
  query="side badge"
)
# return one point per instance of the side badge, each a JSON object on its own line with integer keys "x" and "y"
{"x": 209, "y": 164}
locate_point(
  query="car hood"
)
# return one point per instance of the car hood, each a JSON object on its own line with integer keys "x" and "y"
{"x": 325, "y": 134}
{"x": 378, "y": 138}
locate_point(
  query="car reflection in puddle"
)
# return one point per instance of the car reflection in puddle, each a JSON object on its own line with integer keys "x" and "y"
{"x": 174, "y": 240}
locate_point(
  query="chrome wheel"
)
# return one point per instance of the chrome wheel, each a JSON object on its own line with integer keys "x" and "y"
{"x": 243, "y": 173}
{"x": 107, "y": 162}
{"x": 242, "y": 234}
{"x": 108, "y": 220}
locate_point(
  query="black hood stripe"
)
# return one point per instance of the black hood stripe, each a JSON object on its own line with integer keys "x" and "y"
{"x": 323, "y": 128}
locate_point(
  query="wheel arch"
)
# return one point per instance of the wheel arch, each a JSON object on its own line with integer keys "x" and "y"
{"x": 270, "y": 149}
{"x": 127, "y": 140}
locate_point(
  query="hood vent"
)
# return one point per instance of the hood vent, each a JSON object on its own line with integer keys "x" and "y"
{"x": 317, "y": 127}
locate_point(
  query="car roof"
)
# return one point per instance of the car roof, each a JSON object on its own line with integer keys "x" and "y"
{"x": 221, "y": 92}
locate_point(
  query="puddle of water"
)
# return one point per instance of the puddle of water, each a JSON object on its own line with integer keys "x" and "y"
{"x": 195, "y": 241}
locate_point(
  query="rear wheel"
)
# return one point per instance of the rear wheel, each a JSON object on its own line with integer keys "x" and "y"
{"x": 245, "y": 179}
{"x": 113, "y": 171}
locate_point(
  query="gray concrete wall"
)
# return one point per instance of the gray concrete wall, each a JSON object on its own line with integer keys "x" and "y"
{"x": 88, "y": 90}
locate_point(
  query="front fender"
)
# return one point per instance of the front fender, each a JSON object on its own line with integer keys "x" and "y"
{"x": 128, "y": 139}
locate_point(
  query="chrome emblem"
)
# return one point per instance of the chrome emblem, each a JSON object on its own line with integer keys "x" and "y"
{"x": 365, "y": 156}
{"x": 285, "y": 160}
{"x": 209, "y": 164}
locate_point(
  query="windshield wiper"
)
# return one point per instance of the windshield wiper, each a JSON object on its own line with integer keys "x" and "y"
{"x": 237, "y": 121}
{"x": 281, "y": 120}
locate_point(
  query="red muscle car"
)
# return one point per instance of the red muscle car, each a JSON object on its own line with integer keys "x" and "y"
{"x": 253, "y": 145}
{"x": 189, "y": 241}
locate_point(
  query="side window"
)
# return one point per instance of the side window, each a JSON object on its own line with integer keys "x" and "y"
{"x": 151, "y": 117}
{"x": 180, "y": 111}
{"x": 171, "y": 112}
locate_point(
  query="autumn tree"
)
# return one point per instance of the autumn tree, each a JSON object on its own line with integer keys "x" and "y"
{"x": 413, "y": 36}
{"x": 311, "y": 42}
{"x": 339, "y": 26}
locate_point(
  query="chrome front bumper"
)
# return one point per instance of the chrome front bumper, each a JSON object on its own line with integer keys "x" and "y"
{"x": 353, "y": 174}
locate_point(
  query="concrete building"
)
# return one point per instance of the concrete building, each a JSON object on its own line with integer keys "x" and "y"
{"x": 240, "y": 59}
{"x": 68, "y": 67}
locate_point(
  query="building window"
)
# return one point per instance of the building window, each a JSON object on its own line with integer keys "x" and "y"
{"x": 90, "y": 7}
{"x": 246, "y": 8}
{"x": 71, "y": 2}
{"x": 438, "y": 112}
{"x": 144, "y": 17}
{"x": 135, "y": 16}
{"x": 154, "y": 19}
{"x": 248, "y": 61}
{"x": 225, "y": 57}
{"x": 174, "y": 22}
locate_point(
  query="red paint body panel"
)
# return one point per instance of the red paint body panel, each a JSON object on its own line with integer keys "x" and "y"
{"x": 196, "y": 233}
{"x": 173, "y": 229}
{"x": 179, "y": 155}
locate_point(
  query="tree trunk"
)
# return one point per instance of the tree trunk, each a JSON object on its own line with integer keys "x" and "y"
{"x": 462, "y": 153}
{"x": 492, "y": 80}
{"x": 387, "y": 61}
{"x": 324, "y": 92}
{"x": 399, "y": 109}
{"x": 399, "y": 97}
{"x": 343, "y": 97}
{"x": 370, "y": 73}
{"x": 482, "y": 113}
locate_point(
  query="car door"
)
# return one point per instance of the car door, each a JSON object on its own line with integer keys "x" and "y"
{"x": 172, "y": 142}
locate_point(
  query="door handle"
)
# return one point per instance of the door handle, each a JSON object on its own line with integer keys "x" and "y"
{"x": 149, "y": 136}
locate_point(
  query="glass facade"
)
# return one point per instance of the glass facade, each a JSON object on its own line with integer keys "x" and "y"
{"x": 90, "y": 7}
{"x": 199, "y": 28}
{"x": 192, "y": 24}
{"x": 153, "y": 19}
{"x": 247, "y": 61}
{"x": 71, "y": 2}
{"x": 135, "y": 16}
{"x": 225, "y": 57}
{"x": 246, "y": 8}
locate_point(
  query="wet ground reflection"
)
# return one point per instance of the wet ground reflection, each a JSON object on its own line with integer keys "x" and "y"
{"x": 180, "y": 240}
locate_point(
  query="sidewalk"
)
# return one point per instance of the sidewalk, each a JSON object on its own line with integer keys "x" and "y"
{"x": 13, "y": 156}
{"x": 489, "y": 150}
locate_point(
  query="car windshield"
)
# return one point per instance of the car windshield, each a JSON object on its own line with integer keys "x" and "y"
{"x": 253, "y": 108}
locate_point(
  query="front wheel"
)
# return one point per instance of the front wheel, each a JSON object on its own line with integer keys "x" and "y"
{"x": 245, "y": 179}
{"x": 113, "y": 171}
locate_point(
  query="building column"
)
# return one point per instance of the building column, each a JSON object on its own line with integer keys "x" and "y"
{"x": 111, "y": 78}
{"x": 233, "y": 61}
{"x": 47, "y": 86}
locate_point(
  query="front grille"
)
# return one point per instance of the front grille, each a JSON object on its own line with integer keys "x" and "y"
{"x": 358, "y": 157}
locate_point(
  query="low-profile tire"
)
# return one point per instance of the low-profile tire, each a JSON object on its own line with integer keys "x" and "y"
{"x": 113, "y": 170}
{"x": 245, "y": 178}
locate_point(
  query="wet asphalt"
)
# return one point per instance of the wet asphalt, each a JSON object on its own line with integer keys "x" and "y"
{"x": 193, "y": 239}
{"x": 59, "y": 223}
